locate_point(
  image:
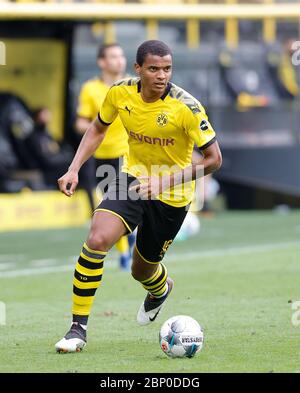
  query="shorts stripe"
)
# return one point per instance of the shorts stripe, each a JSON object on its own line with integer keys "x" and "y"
{"x": 153, "y": 263}
{"x": 117, "y": 215}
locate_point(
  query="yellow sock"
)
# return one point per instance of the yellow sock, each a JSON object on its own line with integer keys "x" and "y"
{"x": 87, "y": 278}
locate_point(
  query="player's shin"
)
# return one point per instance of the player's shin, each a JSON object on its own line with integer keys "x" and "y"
{"x": 87, "y": 278}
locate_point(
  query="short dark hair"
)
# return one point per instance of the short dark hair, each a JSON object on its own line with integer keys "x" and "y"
{"x": 153, "y": 47}
{"x": 102, "y": 49}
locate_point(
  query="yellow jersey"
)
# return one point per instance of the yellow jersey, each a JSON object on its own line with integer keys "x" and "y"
{"x": 91, "y": 98}
{"x": 161, "y": 134}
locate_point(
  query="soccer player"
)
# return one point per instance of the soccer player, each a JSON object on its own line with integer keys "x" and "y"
{"x": 112, "y": 64}
{"x": 152, "y": 192}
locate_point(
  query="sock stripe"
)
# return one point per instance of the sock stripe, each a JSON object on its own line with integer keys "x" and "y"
{"x": 155, "y": 275}
{"x": 157, "y": 284}
{"x": 85, "y": 285}
{"x": 156, "y": 280}
{"x": 160, "y": 290}
{"x": 82, "y": 305}
{"x": 90, "y": 259}
{"x": 82, "y": 319}
{"x": 161, "y": 293}
{"x": 83, "y": 278}
{"x": 101, "y": 253}
{"x": 162, "y": 277}
{"x": 89, "y": 265}
{"x": 84, "y": 292}
{"x": 155, "y": 287}
{"x": 88, "y": 272}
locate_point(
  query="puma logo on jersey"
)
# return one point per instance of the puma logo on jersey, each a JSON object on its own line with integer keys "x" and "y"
{"x": 128, "y": 110}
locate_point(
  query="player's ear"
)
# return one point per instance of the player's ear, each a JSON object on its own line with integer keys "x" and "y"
{"x": 137, "y": 68}
{"x": 100, "y": 63}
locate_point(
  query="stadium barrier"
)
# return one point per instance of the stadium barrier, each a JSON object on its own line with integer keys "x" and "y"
{"x": 231, "y": 12}
{"x": 42, "y": 210}
{"x": 104, "y": 11}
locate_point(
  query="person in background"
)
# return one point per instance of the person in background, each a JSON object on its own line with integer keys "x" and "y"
{"x": 112, "y": 65}
{"x": 244, "y": 83}
{"x": 283, "y": 71}
{"x": 48, "y": 155}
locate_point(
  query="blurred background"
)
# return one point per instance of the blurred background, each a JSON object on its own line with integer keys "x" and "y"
{"x": 243, "y": 67}
{"x": 235, "y": 262}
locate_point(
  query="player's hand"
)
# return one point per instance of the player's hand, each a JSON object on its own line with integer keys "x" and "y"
{"x": 68, "y": 183}
{"x": 149, "y": 187}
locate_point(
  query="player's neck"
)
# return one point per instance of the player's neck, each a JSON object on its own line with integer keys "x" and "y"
{"x": 149, "y": 96}
{"x": 109, "y": 79}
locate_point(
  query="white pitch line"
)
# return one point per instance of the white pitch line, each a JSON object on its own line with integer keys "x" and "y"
{"x": 36, "y": 271}
{"x": 11, "y": 257}
{"x": 44, "y": 262}
{"x": 228, "y": 251}
{"x": 6, "y": 266}
{"x": 187, "y": 255}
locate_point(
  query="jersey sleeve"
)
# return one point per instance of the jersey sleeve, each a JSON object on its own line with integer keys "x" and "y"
{"x": 85, "y": 103}
{"x": 108, "y": 111}
{"x": 197, "y": 127}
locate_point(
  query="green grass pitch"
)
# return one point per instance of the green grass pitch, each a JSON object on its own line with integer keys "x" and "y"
{"x": 238, "y": 278}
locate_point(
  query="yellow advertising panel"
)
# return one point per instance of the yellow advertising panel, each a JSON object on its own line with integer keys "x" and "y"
{"x": 2, "y": 53}
{"x": 35, "y": 70}
{"x": 42, "y": 210}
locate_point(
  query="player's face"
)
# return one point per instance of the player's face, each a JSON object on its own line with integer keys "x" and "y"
{"x": 44, "y": 116}
{"x": 155, "y": 73}
{"x": 114, "y": 61}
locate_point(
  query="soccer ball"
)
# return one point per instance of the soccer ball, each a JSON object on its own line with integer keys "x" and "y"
{"x": 181, "y": 336}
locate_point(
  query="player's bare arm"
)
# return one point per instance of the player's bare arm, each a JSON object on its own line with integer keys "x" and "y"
{"x": 210, "y": 162}
{"x": 89, "y": 143}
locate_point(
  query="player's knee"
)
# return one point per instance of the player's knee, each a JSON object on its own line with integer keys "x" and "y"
{"x": 98, "y": 241}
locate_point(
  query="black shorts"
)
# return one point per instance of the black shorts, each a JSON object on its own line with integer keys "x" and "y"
{"x": 105, "y": 176}
{"x": 157, "y": 222}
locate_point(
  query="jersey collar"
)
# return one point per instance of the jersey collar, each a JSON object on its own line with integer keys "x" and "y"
{"x": 168, "y": 88}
